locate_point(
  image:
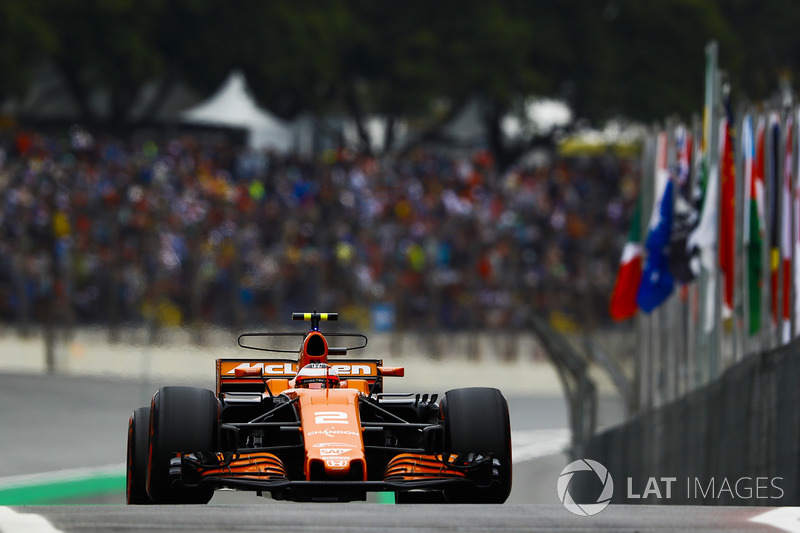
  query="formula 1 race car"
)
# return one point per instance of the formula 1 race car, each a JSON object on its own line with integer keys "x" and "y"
{"x": 317, "y": 429}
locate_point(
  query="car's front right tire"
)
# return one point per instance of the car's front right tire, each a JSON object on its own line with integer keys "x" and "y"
{"x": 182, "y": 420}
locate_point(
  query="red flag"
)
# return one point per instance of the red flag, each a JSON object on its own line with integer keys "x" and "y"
{"x": 786, "y": 217}
{"x": 772, "y": 210}
{"x": 727, "y": 209}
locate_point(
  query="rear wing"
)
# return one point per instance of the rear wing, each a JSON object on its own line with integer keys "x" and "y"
{"x": 229, "y": 380}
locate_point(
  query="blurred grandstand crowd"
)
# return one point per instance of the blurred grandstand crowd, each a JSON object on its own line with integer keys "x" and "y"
{"x": 99, "y": 230}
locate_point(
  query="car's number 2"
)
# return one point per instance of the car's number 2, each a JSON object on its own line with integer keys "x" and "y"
{"x": 331, "y": 417}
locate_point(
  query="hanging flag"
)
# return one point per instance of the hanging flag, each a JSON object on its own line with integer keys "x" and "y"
{"x": 657, "y": 281}
{"x": 727, "y": 208}
{"x": 683, "y": 143}
{"x": 703, "y": 241}
{"x": 698, "y": 187}
{"x": 685, "y": 209}
{"x": 796, "y": 220}
{"x": 786, "y": 230}
{"x": 709, "y": 102}
{"x": 774, "y": 226}
{"x": 629, "y": 275}
{"x": 753, "y": 231}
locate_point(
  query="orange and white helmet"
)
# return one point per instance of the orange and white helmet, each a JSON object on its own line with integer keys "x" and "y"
{"x": 317, "y": 376}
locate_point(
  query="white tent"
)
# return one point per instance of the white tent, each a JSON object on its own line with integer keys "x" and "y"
{"x": 233, "y": 106}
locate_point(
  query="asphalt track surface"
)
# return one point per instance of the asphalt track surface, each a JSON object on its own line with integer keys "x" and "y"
{"x": 398, "y": 519}
{"x": 51, "y": 423}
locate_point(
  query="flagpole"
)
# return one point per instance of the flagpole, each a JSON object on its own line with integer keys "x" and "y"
{"x": 786, "y": 226}
{"x": 791, "y": 161}
{"x": 773, "y": 186}
{"x": 710, "y": 340}
{"x": 763, "y": 251}
{"x": 779, "y": 296}
{"x": 726, "y": 230}
{"x": 796, "y": 226}
{"x": 740, "y": 324}
{"x": 645, "y": 321}
{"x": 673, "y": 333}
{"x": 716, "y": 340}
{"x": 753, "y": 227}
{"x": 692, "y": 361}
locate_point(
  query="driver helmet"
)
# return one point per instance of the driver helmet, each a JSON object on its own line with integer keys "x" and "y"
{"x": 317, "y": 376}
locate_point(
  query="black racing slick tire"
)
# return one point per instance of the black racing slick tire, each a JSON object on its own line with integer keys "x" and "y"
{"x": 476, "y": 421}
{"x": 185, "y": 420}
{"x": 138, "y": 443}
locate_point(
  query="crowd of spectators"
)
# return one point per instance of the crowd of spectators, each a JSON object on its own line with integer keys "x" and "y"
{"x": 185, "y": 230}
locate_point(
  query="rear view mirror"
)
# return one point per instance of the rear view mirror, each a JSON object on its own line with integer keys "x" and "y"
{"x": 395, "y": 371}
{"x": 253, "y": 371}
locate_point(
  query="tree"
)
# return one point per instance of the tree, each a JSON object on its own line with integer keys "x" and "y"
{"x": 416, "y": 61}
{"x": 104, "y": 45}
{"x": 118, "y": 47}
{"x": 503, "y": 53}
{"x": 642, "y": 59}
{"x": 765, "y": 49}
{"x": 24, "y": 39}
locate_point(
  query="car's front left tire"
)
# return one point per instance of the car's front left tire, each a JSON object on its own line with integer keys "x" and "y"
{"x": 136, "y": 467}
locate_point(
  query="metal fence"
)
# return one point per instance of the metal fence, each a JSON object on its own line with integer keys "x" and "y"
{"x": 732, "y": 442}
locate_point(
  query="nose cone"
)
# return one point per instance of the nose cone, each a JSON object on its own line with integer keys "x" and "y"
{"x": 332, "y": 434}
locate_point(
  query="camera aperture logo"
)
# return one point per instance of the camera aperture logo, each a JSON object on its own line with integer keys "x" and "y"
{"x": 585, "y": 509}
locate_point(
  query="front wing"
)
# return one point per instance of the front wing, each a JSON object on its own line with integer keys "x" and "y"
{"x": 264, "y": 472}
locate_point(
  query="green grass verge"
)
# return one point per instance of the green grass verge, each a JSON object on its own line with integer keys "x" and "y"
{"x": 62, "y": 490}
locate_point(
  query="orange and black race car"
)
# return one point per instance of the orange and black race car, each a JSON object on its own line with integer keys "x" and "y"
{"x": 317, "y": 428}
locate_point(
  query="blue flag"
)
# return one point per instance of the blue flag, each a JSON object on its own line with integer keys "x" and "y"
{"x": 657, "y": 281}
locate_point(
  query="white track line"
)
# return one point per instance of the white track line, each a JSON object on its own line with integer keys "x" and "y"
{"x": 534, "y": 443}
{"x": 785, "y": 518}
{"x": 14, "y": 522}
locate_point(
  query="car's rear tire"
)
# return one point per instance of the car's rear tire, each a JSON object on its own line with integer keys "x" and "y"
{"x": 138, "y": 443}
{"x": 476, "y": 421}
{"x": 182, "y": 419}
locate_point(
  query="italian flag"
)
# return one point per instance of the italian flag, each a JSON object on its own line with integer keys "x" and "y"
{"x": 629, "y": 275}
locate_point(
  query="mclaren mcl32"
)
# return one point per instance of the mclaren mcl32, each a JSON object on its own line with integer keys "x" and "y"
{"x": 317, "y": 427}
